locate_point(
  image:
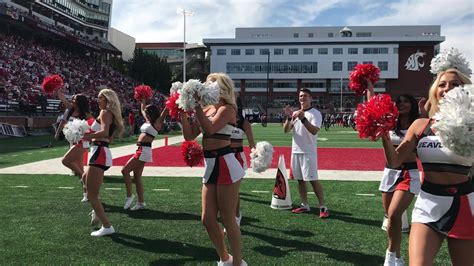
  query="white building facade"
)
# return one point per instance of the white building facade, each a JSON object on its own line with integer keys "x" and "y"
{"x": 272, "y": 63}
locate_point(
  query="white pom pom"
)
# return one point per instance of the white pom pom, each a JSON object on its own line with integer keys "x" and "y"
{"x": 74, "y": 130}
{"x": 209, "y": 94}
{"x": 451, "y": 58}
{"x": 176, "y": 87}
{"x": 261, "y": 156}
{"x": 186, "y": 98}
{"x": 455, "y": 121}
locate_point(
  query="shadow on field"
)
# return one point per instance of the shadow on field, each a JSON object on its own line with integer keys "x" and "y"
{"x": 348, "y": 218}
{"x": 291, "y": 245}
{"x": 149, "y": 214}
{"x": 114, "y": 180}
{"x": 162, "y": 246}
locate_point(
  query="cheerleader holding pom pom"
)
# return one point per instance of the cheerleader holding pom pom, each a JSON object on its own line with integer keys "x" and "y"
{"x": 148, "y": 131}
{"x": 443, "y": 209}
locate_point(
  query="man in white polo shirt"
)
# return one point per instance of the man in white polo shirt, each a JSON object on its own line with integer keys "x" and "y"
{"x": 304, "y": 125}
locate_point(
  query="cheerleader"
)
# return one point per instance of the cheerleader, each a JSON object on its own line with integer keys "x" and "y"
{"x": 241, "y": 130}
{"x": 149, "y": 130}
{"x": 108, "y": 125}
{"x": 443, "y": 209}
{"x": 78, "y": 108}
{"x": 398, "y": 185}
{"x": 221, "y": 181}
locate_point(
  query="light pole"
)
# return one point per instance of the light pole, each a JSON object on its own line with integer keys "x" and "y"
{"x": 185, "y": 13}
{"x": 268, "y": 83}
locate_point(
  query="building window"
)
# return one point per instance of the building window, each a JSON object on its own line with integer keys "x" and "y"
{"x": 336, "y": 66}
{"x": 375, "y": 51}
{"x": 278, "y": 51}
{"x": 310, "y": 35}
{"x": 353, "y": 50}
{"x": 235, "y": 52}
{"x": 363, "y": 34}
{"x": 395, "y": 50}
{"x": 307, "y": 50}
{"x": 293, "y": 51}
{"x": 322, "y": 50}
{"x": 221, "y": 51}
{"x": 296, "y": 35}
{"x": 351, "y": 65}
{"x": 237, "y": 84}
{"x": 264, "y": 51}
{"x": 249, "y": 51}
{"x": 383, "y": 65}
{"x": 368, "y": 62}
{"x": 336, "y": 50}
{"x": 275, "y": 67}
{"x": 330, "y": 34}
{"x": 284, "y": 85}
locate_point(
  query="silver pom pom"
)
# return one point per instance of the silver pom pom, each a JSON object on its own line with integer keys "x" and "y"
{"x": 455, "y": 121}
{"x": 451, "y": 58}
{"x": 209, "y": 93}
{"x": 176, "y": 87}
{"x": 261, "y": 156}
{"x": 74, "y": 130}
{"x": 186, "y": 99}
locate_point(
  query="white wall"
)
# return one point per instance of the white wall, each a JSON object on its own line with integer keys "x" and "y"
{"x": 122, "y": 41}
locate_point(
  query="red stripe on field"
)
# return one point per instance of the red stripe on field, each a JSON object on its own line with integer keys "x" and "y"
{"x": 363, "y": 159}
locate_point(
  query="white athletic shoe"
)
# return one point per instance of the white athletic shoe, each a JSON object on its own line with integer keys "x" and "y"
{"x": 94, "y": 219}
{"x": 238, "y": 219}
{"x": 84, "y": 198}
{"x": 399, "y": 262}
{"x": 138, "y": 206}
{"x": 128, "y": 202}
{"x": 103, "y": 231}
{"x": 227, "y": 262}
{"x": 389, "y": 259}
{"x": 243, "y": 263}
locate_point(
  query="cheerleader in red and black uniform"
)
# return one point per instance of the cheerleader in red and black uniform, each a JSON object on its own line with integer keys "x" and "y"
{"x": 143, "y": 154}
{"x": 398, "y": 185}
{"x": 241, "y": 130}
{"x": 78, "y": 108}
{"x": 108, "y": 125}
{"x": 444, "y": 207}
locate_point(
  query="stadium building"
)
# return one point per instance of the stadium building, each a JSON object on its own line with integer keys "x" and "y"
{"x": 269, "y": 64}
{"x": 84, "y": 22}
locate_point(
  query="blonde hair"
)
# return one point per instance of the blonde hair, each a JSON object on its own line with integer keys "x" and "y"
{"x": 432, "y": 99}
{"x": 113, "y": 106}
{"x": 226, "y": 86}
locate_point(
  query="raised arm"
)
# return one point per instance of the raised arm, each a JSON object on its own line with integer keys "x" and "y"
{"x": 225, "y": 114}
{"x": 370, "y": 89}
{"x": 190, "y": 130}
{"x": 63, "y": 99}
{"x": 287, "y": 126}
{"x": 159, "y": 122}
{"x": 142, "y": 109}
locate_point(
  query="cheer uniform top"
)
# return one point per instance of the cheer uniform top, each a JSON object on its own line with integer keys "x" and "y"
{"x": 144, "y": 151}
{"x": 406, "y": 177}
{"x": 100, "y": 153}
{"x": 447, "y": 209}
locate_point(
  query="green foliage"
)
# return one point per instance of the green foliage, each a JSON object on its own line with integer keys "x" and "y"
{"x": 151, "y": 70}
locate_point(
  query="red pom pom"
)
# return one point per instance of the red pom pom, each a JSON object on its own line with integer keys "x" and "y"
{"x": 52, "y": 83}
{"x": 171, "y": 105}
{"x": 192, "y": 153}
{"x": 376, "y": 117}
{"x": 142, "y": 92}
{"x": 361, "y": 72}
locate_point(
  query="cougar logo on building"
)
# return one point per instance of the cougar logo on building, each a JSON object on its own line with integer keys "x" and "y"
{"x": 413, "y": 62}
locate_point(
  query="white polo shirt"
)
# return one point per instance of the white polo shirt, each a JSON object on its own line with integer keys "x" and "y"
{"x": 303, "y": 140}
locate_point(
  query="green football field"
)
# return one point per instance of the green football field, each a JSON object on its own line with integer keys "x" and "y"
{"x": 44, "y": 222}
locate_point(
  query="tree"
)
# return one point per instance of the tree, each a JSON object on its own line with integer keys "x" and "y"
{"x": 150, "y": 70}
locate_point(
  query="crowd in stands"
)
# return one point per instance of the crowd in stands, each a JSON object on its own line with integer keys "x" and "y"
{"x": 24, "y": 64}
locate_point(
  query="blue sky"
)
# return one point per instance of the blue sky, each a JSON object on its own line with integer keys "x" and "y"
{"x": 157, "y": 20}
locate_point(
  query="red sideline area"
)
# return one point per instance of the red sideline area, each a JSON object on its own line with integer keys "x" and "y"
{"x": 362, "y": 159}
